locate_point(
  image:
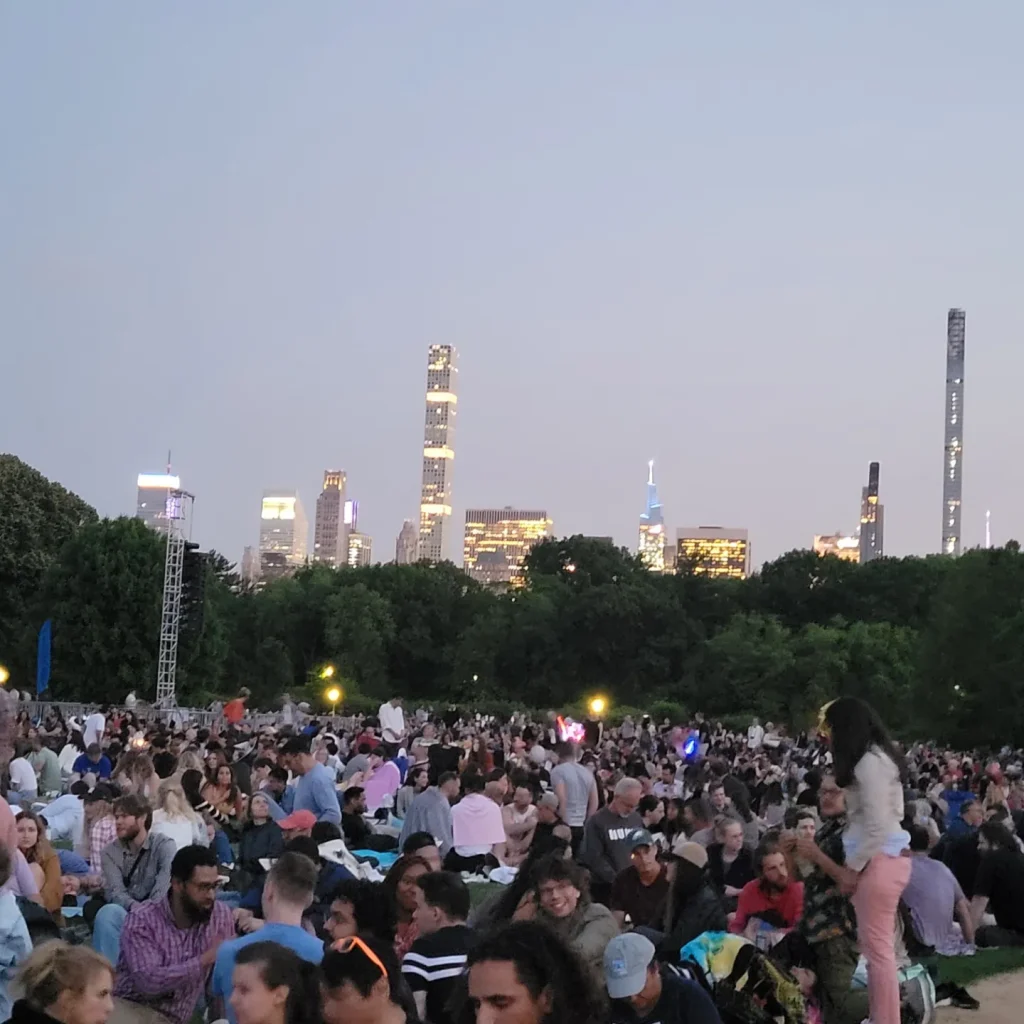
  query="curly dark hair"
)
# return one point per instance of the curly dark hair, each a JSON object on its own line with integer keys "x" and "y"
{"x": 373, "y": 907}
{"x": 543, "y": 964}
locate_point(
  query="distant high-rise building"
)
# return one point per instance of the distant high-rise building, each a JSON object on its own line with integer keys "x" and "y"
{"x": 651, "y": 546}
{"x": 872, "y": 519}
{"x": 250, "y": 566}
{"x": 283, "y": 534}
{"x": 407, "y": 543}
{"x": 713, "y": 550}
{"x": 953, "y": 462}
{"x": 846, "y": 548}
{"x": 497, "y": 540}
{"x": 438, "y": 451}
{"x": 158, "y": 502}
{"x": 330, "y": 533}
{"x": 360, "y": 550}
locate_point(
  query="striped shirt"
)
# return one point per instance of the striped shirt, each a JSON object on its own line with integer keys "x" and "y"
{"x": 434, "y": 964}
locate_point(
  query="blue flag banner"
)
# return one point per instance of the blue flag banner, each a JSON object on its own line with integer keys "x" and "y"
{"x": 43, "y": 658}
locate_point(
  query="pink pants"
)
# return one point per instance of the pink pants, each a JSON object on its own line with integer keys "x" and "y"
{"x": 875, "y": 901}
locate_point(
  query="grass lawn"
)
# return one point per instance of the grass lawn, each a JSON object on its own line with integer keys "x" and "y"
{"x": 963, "y": 970}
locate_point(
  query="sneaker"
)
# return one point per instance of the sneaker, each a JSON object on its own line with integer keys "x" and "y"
{"x": 963, "y": 1000}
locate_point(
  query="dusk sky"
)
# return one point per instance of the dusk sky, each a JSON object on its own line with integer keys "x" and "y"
{"x": 723, "y": 236}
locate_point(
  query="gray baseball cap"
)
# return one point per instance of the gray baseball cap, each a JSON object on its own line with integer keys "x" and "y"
{"x": 626, "y": 959}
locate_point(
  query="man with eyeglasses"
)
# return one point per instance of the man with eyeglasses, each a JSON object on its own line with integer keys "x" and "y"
{"x": 170, "y": 944}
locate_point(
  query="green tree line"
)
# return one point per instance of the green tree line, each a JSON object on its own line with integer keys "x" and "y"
{"x": 936, "y": 643}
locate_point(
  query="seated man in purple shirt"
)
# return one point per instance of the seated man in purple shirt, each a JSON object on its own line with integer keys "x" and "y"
{"x": 169, "y": 944}
{"x": 934, "y": 898}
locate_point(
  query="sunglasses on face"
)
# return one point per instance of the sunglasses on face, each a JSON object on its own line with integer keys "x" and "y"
{"x": 351, "y": 942}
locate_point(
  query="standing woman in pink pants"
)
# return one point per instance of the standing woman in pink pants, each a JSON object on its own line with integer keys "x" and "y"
{"x": 871, "y": 769}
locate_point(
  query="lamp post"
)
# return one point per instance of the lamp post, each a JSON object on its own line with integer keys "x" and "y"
{"x": 333, "y": 695}
{"x": 597, "y": 706}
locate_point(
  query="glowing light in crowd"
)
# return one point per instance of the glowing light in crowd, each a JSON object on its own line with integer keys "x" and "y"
{"x": 569, "y": 731}
{"x": 598, "y": 705}
{"x": 334, "y": 695}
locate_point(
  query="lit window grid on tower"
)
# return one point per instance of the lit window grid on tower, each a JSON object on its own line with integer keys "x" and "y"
{"x": 651, "y": 546}
{"x": 330, "y": 535}
{"x": 438, "y": 451}
{"x": 952, "y": 478}
{"x": 715, "y": 556}
{"x": 506, "y": 532}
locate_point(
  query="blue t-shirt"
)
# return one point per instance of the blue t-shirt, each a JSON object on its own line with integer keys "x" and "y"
{"x": 101, "y": 768}
{"x": 315, "y": 792}
{"x": 291, "y": 936}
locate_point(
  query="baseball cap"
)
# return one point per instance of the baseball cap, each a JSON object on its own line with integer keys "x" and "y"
{"x": 102, "y": 791}
{"x": 298, "y": 819}
{"x": 626, "y": 959}
{"x": 548, "y": 800}
{"x": 639, "y": 837}
{"x": 693, "y": 852}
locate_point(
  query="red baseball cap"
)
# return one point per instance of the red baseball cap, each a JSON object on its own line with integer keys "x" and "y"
{"x": 297, "y": 819}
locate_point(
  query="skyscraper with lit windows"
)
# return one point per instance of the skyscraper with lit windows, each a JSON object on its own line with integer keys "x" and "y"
{"x": 283, "y": 534}
{"x": 330, "y": 533}
{"x": 438, "y": 451}
{"x": 953, "y": 461}
{"x": 497, "y": 541}
{"x": 872, "y": 519}
{"x": 713, "y": 551}
{"x": 651, "y": 546}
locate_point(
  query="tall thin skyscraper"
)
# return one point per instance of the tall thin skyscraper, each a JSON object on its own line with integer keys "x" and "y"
{"x": 330, "y": 533}
{"x": 953, "y": 456}
{"x": 438, "y": 451}
{"x": 407, "y": 543}
{"x": 872, "y": 519}
{"x": 651, "y": 546}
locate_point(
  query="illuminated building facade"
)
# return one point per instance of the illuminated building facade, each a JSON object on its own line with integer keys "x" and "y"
{"x": 497, "y": 540}
{"x": 438, "y": 451}
{"x": 330, "y": 534}
{"x": 651, "y": 546}
{"x": 250, "y": 566}
{"x": 360, "y": 550}
{"x": 713, "y": 550}
{"x": 283, "y": 534}
{"x": 157, "y": 502}
{"x": 872, "y": 519}
{"x": 407, "y": 544}
{"x": 846, "y": 548}
{"x": 953, "y": 460}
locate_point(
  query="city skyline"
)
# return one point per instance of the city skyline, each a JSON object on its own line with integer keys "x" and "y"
{"x": 248, "y": 271}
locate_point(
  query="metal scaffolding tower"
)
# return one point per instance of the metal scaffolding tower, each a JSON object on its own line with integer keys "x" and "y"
{"x": 953, "y": 453}
{"x": 178, "y": 503}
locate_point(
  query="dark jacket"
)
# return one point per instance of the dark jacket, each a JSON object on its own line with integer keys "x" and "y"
{"x": 22, "y": 1013}
{"x": 702, "y": 912}
{"x": 259, "y": 841}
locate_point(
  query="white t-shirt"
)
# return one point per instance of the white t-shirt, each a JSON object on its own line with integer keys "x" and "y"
{"x": 392, "y": 722}
{"x": 95, "y": 724}
{"x": 23, "y": 778}
{"x": 755, "y": 735}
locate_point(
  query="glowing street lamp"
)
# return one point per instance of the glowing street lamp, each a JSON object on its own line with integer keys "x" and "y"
{"x": 327, "y": 672}
{"x": 333, "y": 695}
{"x": 597, "y": 706}
{"x": 4, "y": 675}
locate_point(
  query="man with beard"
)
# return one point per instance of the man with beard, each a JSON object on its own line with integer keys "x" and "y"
{"x": 136, "y": 867}
{"x": 169, "y": 944}
{"x": 773, "y": 901}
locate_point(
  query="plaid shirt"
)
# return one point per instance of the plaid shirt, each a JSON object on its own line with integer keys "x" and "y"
{"x": 159, "y": 966}
{"x": 101, "y": 834}
{"x": 828, "y": 914}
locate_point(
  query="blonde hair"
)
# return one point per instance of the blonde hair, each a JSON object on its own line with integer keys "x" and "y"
{"x": 54, "y": 968}
{"x": 189, "y": 760}
{"x": 173, "y": 802}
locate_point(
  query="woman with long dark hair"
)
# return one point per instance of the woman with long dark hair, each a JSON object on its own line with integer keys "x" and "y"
{"x": 400, "y": 884}
{"x": 525, "y": 972}
{"x": 871, "y": 770}
{"x": 272, "y": 985}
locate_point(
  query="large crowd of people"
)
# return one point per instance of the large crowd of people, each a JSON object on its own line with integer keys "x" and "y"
{"x": 447, "y": 868}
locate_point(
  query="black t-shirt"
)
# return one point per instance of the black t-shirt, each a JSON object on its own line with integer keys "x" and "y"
{"x": 645, "y": 904}
{"x": 1001, "y": 879}
{"x": 434, "y": 965}
{"x": 682, "y": 1002}
{"x": 354, "y": 829}
{"x": 736, "y": 874}
{"x": 164, "y": 764}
